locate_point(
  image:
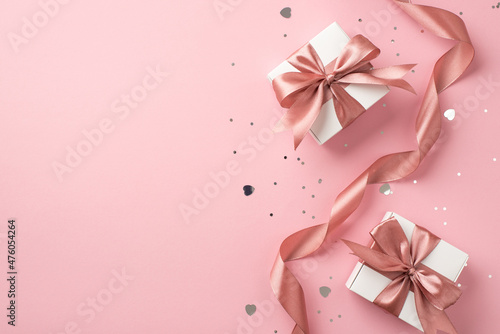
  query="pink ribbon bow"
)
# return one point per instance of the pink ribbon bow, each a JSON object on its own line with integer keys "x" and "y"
{"x": 306, "y": 91}
{"x": 401, "y": 261}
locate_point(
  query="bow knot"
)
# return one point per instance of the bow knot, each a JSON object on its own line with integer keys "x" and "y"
{"x": 331, "y": 78}
{"x": 304, "y": 92}
{"x": 411, "y": 272}
{"x": 393, "y": 256}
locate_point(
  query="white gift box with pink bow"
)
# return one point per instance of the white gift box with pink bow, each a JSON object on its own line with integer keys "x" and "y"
{"x": 445, "y": 259}
{"x": 328, "y": 45}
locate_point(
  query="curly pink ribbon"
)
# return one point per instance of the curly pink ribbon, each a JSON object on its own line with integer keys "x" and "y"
{"x": 306, "y": 91}
{"x": 447, "y": 69}
{"x": 393, "y": 256}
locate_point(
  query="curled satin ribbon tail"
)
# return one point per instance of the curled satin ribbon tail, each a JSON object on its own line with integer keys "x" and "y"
{"x": 305, "y": 92}
{"x": 448, "y": 68}
{"x": 393, "y": 256}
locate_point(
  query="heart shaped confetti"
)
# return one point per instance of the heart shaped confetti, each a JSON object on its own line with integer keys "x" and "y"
{"x": 250, "y": 309}
{"x": 248, "y": 190}
{"x": 450, "y": 114}
{"x": 385, "y": 189}
{"x": 325, "y": 291}
{"x": 286, "y": 12}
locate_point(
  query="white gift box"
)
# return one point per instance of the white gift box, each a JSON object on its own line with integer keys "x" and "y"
{"x": 328, "y": 45}
{"x": 445, "y": 259}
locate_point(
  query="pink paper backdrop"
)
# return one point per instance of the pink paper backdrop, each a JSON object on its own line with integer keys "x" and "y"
{"x": 118, "y": 239}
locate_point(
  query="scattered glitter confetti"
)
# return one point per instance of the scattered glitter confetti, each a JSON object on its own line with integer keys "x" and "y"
{"x": 340, "y": 316}
{"x": 360, "y": 20}
{"x": 412, "y": 71}
{"x": 230, "y": 120}
{"x": 285, "y": 157}
{"x": 485, "y": 110}
{"x": 435, "y": 208}
{"x": 331, "y": 277}
{"x": 284, "y": 35}
{"x": 313, "y": 196}
{"x": 445, "y": 223}
{"x": 494, "y": 159}
{"x": 320, "y": 180}
{"x": 276, "y": 331}
{"x": 392, "y": 41}
{"x": 313, "y": 217}
{"x": 382, "y": 132}
{"x": 444, "y": 208}
{"x": 459, "y": 285}
{"x": 286, "y": 12}
{"x": 449, "y": 114}
{"x": 325, "y": 291}
{"x": 385, "y": 189}
{"x": 303, "y": 187}
{"x": 232, "y": 64}
{"x": 302, "y": 163}
{"x": 397, "y": 54}
{"x": 248, "y": 190}
{"x": 234, "y": 152}
{"x": 395, "y": 28}
{"x": 414, "y": 181}
{"x": 331, "y": 320}
{"x": 250, "y": 309}
{"x": 459, "y": 173}
{"x": 298, "y": 159}
{"x": 345, "y": 145}
{"x": 461, "y": 13}
{"x": 251, "y": 123}
{"x": 275, "y": 183}
{"x": 303, "y": 211}
{"x": 384, "y": 105}
{"x": 319, "y": 311}
{"x": 489, "y": 276}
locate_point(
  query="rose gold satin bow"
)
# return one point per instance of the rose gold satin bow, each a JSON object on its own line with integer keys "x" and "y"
{"x": 448, "y": 68}
{"x": 394, "y": 257}
{"x": 306, "y": 91}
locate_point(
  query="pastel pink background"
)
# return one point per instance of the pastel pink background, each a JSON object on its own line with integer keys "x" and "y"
{"x": 121, "y": 207}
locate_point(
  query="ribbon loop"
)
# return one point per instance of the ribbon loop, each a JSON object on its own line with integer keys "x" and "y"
{"x": 298, "y": 90}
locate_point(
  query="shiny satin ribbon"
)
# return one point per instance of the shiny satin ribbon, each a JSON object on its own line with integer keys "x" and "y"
{"x": 393, "y": 256}
{"x": 448, "y": 68}
{"x": 306, "y": 91}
